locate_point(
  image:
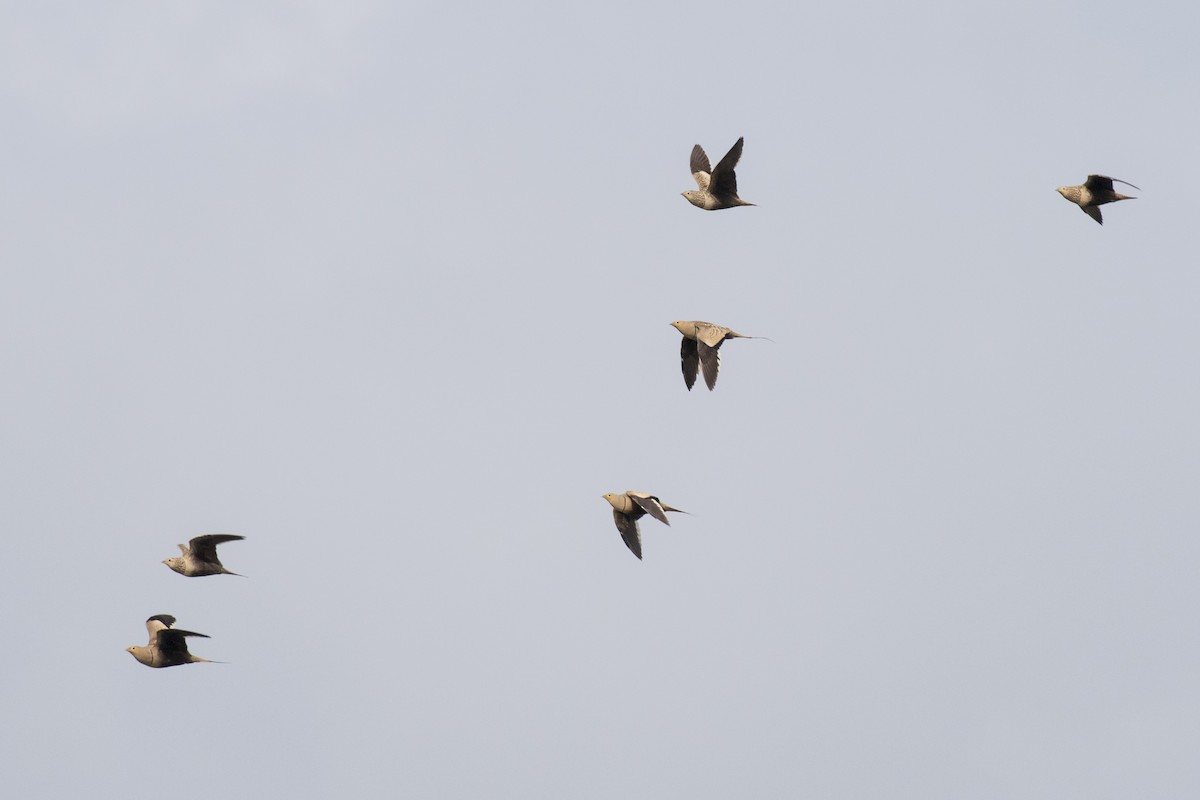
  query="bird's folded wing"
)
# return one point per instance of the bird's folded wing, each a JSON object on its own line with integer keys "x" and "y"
{"x": 711, "y": 335}
{"x": 651, "y": 506}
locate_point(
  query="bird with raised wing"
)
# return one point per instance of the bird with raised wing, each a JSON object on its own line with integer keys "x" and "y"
{"x": 200, "y": 556}
{"x": 167, "y": 646}
{"x": 701, "y": 341}
{"x": 629, "y": 507}
{"x": 1093, "y": 193}
{"x": 717, "y": 187}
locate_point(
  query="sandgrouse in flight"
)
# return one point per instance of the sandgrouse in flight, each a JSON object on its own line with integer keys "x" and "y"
{"x": 1093, "y": 193}
{"x": 167, "y": 646}
{"x": 200, "y": 556}
{"x": 701, "y": 340}
{"x": 718, "y": 187}
{"x": 629, "y": 507}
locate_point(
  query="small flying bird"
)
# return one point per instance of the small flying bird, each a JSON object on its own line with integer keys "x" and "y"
{"x": 718, "y": 187}
{"x": 701, "y": 341}
{"x": 1093, "y": 193}
{"x": 629, "y": 507}
{"x": 168, "y": 646}
{"x": 200, "y": 556}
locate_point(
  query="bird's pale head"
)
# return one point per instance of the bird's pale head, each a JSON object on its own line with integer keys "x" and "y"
{"x": 685, "y": 326}
{"x": 695, "y": 198}
{"x": 1069, "y": 192}
{"x": 175, "y": 563}
{"x": 139, "y": 653}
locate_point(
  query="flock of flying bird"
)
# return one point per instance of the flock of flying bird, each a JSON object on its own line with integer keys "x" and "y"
{"x": 168, "y": 646}
{"x": 716, "y": 190}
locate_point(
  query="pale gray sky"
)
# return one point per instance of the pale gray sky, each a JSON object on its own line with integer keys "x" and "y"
{"x": 386, "y": 289}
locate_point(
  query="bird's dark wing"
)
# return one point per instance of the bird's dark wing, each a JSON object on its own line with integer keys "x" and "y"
{"x": 699, "y": 161}
{"x": 652, "y": 506}
{"x": 165, "y": 619}
{"x": 1094, "y": 213}
{"x": 627, "y": 525}
{"x": 205, "y": 547}
{"x": 724, "y": 180}
{"x": 690, "y": 361}
{"x": 1103, "y": 183}
{"x": 710, "y": 360}
{"x": 172, "y": 643}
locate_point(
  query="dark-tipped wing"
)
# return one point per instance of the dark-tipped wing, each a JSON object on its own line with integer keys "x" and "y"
{"x": 159, "y": 622}
{"x": 1103, "y": 183}
{"x": 1094, "y": 213}
{"x": 627, "y": 525}
{"x": 690, "y": 361}
{"x": 651, "y": 505}
{"x": 205, "y": 547}
{"x": 699, "y": 160}
{"x": 710, "y": 360}
{"x": 724, "y": 181}
{"x": 172, "y": 642}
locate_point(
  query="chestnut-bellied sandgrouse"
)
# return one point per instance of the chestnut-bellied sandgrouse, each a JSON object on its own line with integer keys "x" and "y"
{"x": 701, "y": 340}
{"x": 167, "y": 646}
{"x": 200, "y": 556}
{"x": 717, "y": 187}
{"x": 1093, "y": 193}
{"x": 629, "y": 507}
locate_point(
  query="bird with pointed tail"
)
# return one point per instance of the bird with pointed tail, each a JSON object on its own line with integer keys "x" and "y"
{"x": 629, "y": 507}
{"x": 717, "y": 187}
{"x": 167, "y": 646}
{"x": 701, "y": 341}
{"x": 1093, "y": 193}
{"x": 200, "y": 556}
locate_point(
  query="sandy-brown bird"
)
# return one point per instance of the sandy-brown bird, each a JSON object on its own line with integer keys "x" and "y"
{"x": 629, "y": 507}
{"x": 718, "y": 187}
{"x": 168, "y": 646}
{"x": 200, "y": 556}
{"x": 701, "y": 340}
{"x": 1093, "y": 193}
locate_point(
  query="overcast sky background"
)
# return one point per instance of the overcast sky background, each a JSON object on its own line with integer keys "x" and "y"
{"x": 386, "y": 289}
